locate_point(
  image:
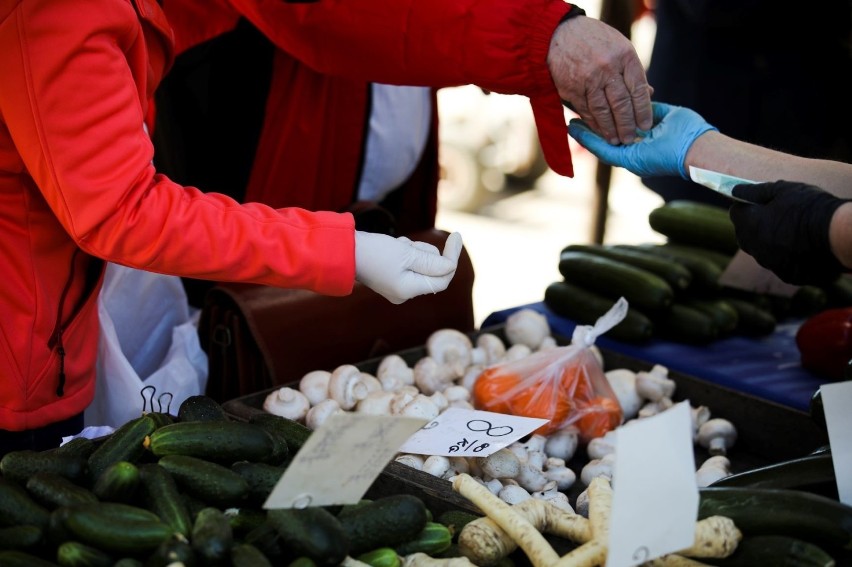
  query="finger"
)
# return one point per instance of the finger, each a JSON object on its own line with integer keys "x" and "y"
{"x": 589, "y": 140}
{"x": 640, "y": 94}
{"x": 425, "y": 246}
{"x": 453, "y": 247}
{"x": 759, "y": 193}
{"x": 429, "y": 264}
{"x": 621, "y": 107}
{"x": 599, "y": 109}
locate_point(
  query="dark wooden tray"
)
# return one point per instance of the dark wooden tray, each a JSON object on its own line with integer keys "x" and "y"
{"x": 767, "y": 432}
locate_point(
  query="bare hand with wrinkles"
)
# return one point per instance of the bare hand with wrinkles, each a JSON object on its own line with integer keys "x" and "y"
{"x": 596, "y": 69}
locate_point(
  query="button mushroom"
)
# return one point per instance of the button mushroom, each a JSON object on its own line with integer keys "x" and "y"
{"x": 452, "y": 349}
{"x": 527, "y": 327}
{"x": 431, "y": 376}
{"x": 502, "y": 463}
{"x": 562, "y": 444}
{"x": 715, "y": 468}
{"x": 394, "y": 371}
{"x": 489, "y": 350}
{"x": 346, "y": 387}
{"x": 319, "y": 413}
{"x": 655, "y": 384}
{"x": 288, "y": 403}
{"x": 623, "y": 384}
{"x": 314, "y": 385}
{"x": 717, "y": 435}
{"x": 376, "y": 403}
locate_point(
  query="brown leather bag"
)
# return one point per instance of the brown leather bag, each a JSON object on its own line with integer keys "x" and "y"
{"x": 257, "y": 337}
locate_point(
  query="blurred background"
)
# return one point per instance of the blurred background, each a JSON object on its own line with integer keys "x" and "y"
{"x": 516, "y": 215}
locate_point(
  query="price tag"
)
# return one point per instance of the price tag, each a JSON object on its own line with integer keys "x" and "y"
{"x": 743, "y": 272}
{"x": 460, "y": 432}
{"x": 836, "y": 401}
{"x": 719, "y": 182}
{"x": 341, "y": 459}
{"x": 655, "y": 494}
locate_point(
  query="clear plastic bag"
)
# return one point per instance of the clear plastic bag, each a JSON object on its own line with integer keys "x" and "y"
{"x": 564, "y": 384}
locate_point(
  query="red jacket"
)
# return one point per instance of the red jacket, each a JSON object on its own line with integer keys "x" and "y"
{"x": 77, "y": 186}
{"x": 311, "y": 144}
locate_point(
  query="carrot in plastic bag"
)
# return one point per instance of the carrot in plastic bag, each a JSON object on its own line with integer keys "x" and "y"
{"x": 565, "y": 385}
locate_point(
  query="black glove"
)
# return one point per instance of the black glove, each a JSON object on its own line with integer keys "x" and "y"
{"x": 786, "y": 230}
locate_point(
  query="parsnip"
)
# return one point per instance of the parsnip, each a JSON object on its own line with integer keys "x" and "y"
{"x": 424, "y": 560}
{"x": 716, "y": 536}
{"x": 673, "y": 561}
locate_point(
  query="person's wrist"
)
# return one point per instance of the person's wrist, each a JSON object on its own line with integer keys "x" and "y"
{"x": 700, "y": 152}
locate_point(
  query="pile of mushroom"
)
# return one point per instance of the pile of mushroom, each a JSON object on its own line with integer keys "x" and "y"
{"x": 444, "y": 378}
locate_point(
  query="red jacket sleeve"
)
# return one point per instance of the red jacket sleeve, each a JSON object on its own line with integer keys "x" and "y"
{"x": 499, "y": 45}
{"x": 75, "y": 84}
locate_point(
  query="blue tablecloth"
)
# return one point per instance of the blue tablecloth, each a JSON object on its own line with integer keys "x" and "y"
{"x": 767, "y": 367}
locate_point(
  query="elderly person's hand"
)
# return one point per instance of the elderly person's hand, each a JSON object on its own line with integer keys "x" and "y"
{"x": 597, "y": 71}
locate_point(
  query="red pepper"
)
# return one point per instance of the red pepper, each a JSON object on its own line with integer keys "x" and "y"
{"x": 825, "y": 342}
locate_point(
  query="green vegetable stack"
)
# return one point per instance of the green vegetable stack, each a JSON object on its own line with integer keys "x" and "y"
{"x": 673, "y": 289}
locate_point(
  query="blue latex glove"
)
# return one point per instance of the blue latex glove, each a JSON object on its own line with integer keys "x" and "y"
{"x": 659, "y": 152}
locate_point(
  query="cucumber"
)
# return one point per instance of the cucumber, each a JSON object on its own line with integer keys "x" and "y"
{"x": 130, "y": 562}
{"x": 794, "y": 513}
{"x": 385, "y": 522}
{"x": 585, "y": 307}
{"x": 124, "y": 444}
{"x": 220, "y": 441}
{"x": 201, "y": 408}
{"x": 212, "y": 536}
{"x": 312, "y": 532}
{"x": 164, "y": 499}
{"x": 720, "y": 311}
{"x": 261, "y": 478}
{"x": 456, "y": 520}
{"x": 719, "y": 258}
{"x": 752, "y": 321}
{"x": 642, "y": 289}
{"x": 676, "y": 275}
{"x": 21, "y": 465}
{"x": 278, "y": 430}
{"x": 244, "y": 520}
{"x": 21, "y": 537}
{"x": 55, "y": 490}
{"x": 247, "y": 555}
{"x": 808, "y": 300}
{"x": 839, "y": 292}
{"x": 210, "y": 482}
{"x": 705, "y": 274}
{"x": 695, "y": 224}
{"x": 175, "y": 551}
{"x": 118, "y": 482}
{"x": 682, "y": 323}
{"x": 434, "y": 538}
{"x": 381, "y": 557}
{"x": 77, "y": 447}
{"x": 117, "y": 528}
{"x": 17, "y": 507}
{"x": 160, "y": 418}
{"x": 265, "y": 537}
{"x": 76, "y": 554}
{"x": 292, "y": 432}
{"x": 799, "y": 473}
{"x": 778, "y": 551}
{"x": 18, "y": 558}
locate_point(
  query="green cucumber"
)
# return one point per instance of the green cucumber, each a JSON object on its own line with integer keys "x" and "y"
{"x": 695, "y": 224}
{"x": 642, "y": 289}
{"x": 839, "y": 292}
{"x": 17, "y": 507}
{"x": 584, "y": 307}
{"x": 247, "y": 555}
{"x": 118, "y": 482}
{"x": 175, "y": 551}
{"x": 752, "y": 321}
{"x": 18, "y": 558}
{"x": 705, "y": 273}
{"x": 799, "y": 473}
{"x": 312, "y": 532}
{"x": 210, "y": 482}
{"x": 282, "y": 434}
{"x": 124, "y": 444}
{"x": 265, "y": 537}
{"x": 21, "y": 465}
{"x": 21, "y": 537}
{"x": 164, "y": 498}
{"x": 244, "y": 520}
{"x": 456, "y": 520}
{"x": 261, "y": 478}
{"x": 774, "y": 550}
{"x": 54, "y": 490}
{"x": 385, "y": 522}
{"x": 721, "y": 259}
{"x": 220, "y": 441}
{"x": 808, "y": 300}
{"x": 108, "y": 526}
{"x": 720, "y": 311}
{"x": 434, "y": 538}
{"x": 76, "y": 554}
{"x": 676, "y": 275}
{"x": 212, "y": 536}
{"x": 381, "y": 557}
{"x": 201, "y": 408}
{"x": 77, "y": 447}
{"x": 682, "y": 323}
{"x": 768, "y": 511}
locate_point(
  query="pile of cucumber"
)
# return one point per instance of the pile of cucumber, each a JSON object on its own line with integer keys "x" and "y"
{"x": 189, "y": 489}
{"x": 673, "y": 289}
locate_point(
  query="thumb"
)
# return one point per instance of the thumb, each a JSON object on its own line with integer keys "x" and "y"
{"x": 758, "y": 193}
{"x": 453, "y": 247}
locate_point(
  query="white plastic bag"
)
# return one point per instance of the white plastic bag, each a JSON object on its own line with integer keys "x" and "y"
{"x": 147, "y": 338}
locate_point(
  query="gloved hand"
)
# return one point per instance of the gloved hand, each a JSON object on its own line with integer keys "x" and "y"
{"x": 659, "y": 152}
{"x": 786, "y": 229}
{"x": 399, "y": 269}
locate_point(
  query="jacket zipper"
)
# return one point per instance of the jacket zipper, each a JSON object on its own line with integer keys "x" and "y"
{"x": 56, "y": 336}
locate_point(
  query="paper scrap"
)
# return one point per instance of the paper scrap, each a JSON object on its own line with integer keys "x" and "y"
{"x": 655, "y": 493}
{"x": 341, "y": 459}
{"x": 719, "y": 182}
{"x": 836, "y": 401}
{"x": 460, "y": 432}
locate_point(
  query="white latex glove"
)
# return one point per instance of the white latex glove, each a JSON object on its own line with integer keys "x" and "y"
{"x": 399, "y": 269}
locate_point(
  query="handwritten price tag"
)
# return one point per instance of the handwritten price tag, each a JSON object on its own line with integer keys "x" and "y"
{"x": 341, "y": 459}
{"x": 459, "y": 432}
{"x": 837, "y": 399}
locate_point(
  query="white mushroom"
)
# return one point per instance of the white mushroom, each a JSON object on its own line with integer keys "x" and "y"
{"x": 346, "y": 386}
{"x": 393, "y": 368}
{"x": 513, "y": 494}
{"x": 319, "y": 413}
{"x": 431, "y": 376}
{"x": 440, "y": 401}
{"x": 470, "y": 376}
{"x": 556, "y": 471}
{"x": 623, "y": 384}
{"x": 437, "y": 465}
{"x": 562, "y": 444}
{"x": 456, "y": 394}
{"x": 459, "y": 465}
{"x": 288, "y": 403}
{"x": 494, "y": 486}
{"x": 409, "y": 460}
{"x": 535, "y": 442}
{"x": 717, "y": 435}
{"x": 314, "y": 385}
{"x": 376, "y": 403}
{"x": 653, "y": 408}
{"x": 489, "y": 350}
{"x": 526, "y": 327}
{"x": 418, "y": 406}
{"x": 551, "y": 494}
{"x": 655, "y": 384}
{"x": 581, "y": 505}
{"x": 450, "y": 348}
{"x": 371, "y": 382}
{"x": 536, "y": 459}
{"x": 502, "y": 463}
{"x": 531, "y": 477}
{"x": 598, "y": 447}
{"x": 715, "y": 468}
{"x": 598, "y": 467}
{"x": 700, "y": 415}
{"x": 548, "y": 342}
{"x": 517, "y": 352}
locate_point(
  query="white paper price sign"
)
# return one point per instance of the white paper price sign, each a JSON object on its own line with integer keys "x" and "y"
{"x": 836, "y": 401}
{"x": 655, "y": 494}
{"x": 459, "y": 432}
{"x": 341, "y": 459}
